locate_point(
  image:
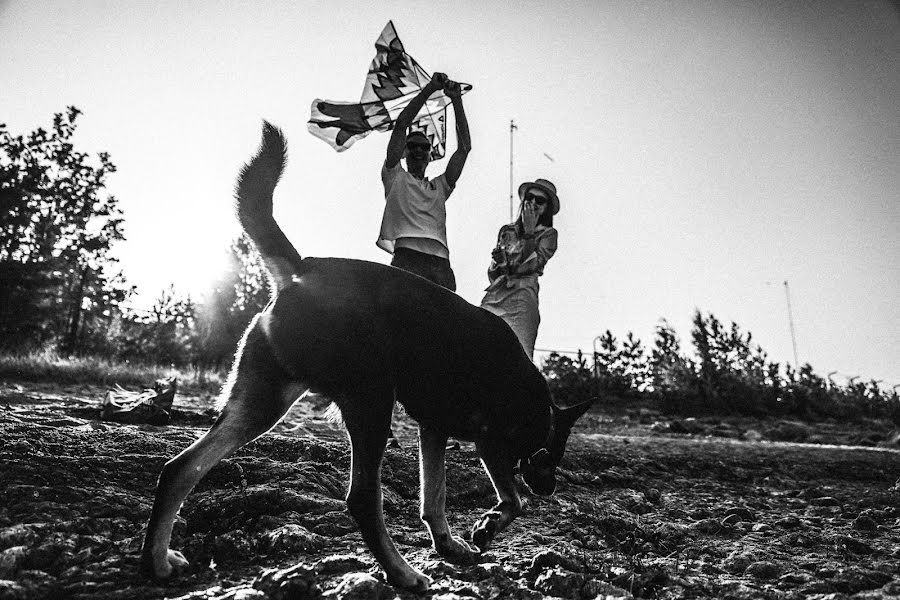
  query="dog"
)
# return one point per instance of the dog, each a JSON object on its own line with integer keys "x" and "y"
{"x": 367, "y": 335}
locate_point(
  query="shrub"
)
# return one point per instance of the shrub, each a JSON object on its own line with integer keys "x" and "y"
{"x": 727, "y": 374}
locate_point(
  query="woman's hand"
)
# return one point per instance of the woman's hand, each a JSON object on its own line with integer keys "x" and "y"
{"x": 529, "y": 217}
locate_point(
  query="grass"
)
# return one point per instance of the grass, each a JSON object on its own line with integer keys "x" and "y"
{"x": 50, "y": 367}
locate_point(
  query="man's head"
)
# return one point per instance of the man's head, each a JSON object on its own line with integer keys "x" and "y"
{"x": 418, "y": 149}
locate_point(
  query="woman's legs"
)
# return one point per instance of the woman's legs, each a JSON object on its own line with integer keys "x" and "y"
{"x": 519, "y": 308}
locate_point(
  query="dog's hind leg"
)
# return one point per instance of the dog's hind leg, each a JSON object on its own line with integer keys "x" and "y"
{"x": 433, "y": 496}
{"x": 499, "y": 464}
{"x": 368, "y": 422}
{"x": 258, "y": 396}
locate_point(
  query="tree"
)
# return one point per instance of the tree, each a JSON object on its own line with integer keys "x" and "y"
{"x": 164, "y": 334}
{"x": 635, "y": 364}
{"x": 225, "y": 312}
{"x": 609, "y": 366}
{"x": 58, "y": 227}
{"x": 669, "y": 369}
{"x": 569, "y": 379}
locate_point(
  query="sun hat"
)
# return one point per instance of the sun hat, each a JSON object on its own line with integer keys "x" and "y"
{"x": 546, "y": 187}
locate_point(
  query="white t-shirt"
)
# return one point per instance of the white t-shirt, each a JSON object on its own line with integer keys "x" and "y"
{"x": 413, "y": 208}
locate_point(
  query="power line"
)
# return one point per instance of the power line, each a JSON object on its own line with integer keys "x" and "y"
{"x": 549, "y": 350}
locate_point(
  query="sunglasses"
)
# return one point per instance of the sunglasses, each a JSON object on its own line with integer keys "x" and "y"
{"x": 539, "y": 200}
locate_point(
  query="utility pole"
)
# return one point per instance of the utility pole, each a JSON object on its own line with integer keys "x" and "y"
{"x": 512, "y": 128}
{"x": 596, "y": 356}
{"x": 787, "y": 294}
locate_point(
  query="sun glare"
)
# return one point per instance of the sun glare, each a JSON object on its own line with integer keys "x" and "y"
{"x": 192, "y": 273}
{"x": 200, "y": 276}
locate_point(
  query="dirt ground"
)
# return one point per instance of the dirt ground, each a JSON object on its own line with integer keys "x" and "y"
{"x": 647, "y": 506}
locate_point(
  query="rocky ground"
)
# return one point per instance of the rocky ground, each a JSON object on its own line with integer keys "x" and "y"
{"x": 647, "y": 506}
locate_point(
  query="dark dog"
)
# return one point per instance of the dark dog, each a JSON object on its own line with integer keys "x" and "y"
{"x": 367, "y": 335}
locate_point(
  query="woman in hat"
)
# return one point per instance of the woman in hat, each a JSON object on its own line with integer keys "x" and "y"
{"x": 518, "y": 259}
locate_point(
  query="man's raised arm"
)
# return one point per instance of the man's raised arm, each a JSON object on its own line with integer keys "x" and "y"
{"x": 397, "y": 143}
{"x": 463, "y": 141}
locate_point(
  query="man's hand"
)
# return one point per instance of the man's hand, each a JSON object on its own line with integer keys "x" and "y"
{"x": 438, "y": 81}
{"x": 452, "y": 89}
{"x": 397, "y": 144}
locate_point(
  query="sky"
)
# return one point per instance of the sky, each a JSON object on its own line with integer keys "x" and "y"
{"x": 704, "y": 152}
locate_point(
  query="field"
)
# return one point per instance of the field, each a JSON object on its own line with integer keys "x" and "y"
{"x": 647, "y": 506}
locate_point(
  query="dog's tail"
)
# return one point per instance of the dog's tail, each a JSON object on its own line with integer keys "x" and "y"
{"x": 253, "y": 195}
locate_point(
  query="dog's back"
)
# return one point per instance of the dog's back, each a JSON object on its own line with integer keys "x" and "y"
{"x": 351, "y": 328}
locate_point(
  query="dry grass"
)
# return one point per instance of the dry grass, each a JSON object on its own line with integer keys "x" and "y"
{"x": 48, "y": 366}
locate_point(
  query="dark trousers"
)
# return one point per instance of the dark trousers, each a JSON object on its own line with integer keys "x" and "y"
{"x": 433, "y": 268}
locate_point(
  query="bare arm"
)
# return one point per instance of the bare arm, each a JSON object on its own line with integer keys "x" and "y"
{"x": 397, "y": 143}
{"x": 463, "y": 141}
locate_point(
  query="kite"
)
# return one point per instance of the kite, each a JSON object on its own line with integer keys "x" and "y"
{"x": 394, "y": 79}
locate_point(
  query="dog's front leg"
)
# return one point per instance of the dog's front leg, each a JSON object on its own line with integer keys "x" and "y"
{"x": 499, "y": 463}
{"x": 368, "y": 426}
{"x": 433, "y": 496}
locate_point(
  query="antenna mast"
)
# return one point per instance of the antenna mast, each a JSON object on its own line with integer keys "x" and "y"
{"x": 512, "y": 128}
{"x": 787, "y": 294}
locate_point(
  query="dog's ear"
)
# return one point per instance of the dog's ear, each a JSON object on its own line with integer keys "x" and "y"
{"x": 563, "y": 420}
{"x": 566, "y": 417}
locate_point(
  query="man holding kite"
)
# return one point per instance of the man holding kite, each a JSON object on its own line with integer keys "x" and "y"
{"x": 414, "y": 225}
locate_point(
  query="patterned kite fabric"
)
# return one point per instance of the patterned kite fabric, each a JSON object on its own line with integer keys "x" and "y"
{"x": 393, "y": 80}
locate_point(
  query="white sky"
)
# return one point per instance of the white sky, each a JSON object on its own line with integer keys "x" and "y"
{"x": 704, "y": 152}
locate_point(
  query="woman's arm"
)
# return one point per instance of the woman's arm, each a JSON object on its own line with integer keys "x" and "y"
{"x": 538, "y": 249}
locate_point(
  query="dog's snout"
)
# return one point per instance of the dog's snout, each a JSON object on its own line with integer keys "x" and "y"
{"x": 539, "y": 473}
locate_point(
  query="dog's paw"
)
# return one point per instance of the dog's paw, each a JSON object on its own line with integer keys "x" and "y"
{"x": 484, "y": 531}
{"x": 457, "y": 551}
{"x": 173, "y": 563}
{"x": 413, "y": 581}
